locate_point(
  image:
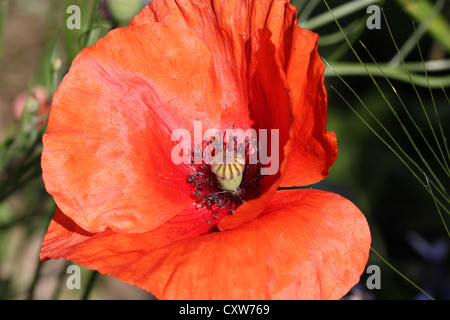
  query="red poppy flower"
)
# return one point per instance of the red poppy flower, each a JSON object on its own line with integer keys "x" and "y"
{"x": 127, "y": 210}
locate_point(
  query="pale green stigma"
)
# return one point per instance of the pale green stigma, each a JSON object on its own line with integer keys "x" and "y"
{"x": 228, "y": 170}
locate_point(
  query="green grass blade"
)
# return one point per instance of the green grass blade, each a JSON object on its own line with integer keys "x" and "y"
{"x": 445, "y": 94}
{"x": 444, "y": 166}
{"x": 447, "y": 170}
{"x": 397, "y": 154}
{"x": 336, "y": 37}
{"x": 354, "y": 35}
{"x": 90, "y": 285}
{"x": 401, "y": 274}
{"x": 441, "y": 189}
{"x": 339, "y": 12}
{"x": 435, "y": 111}
{"x": 305, "y": 13}
{"x": 410, "y": 44}
{"x": 433, "y": 65}
{"x": 420, "y": 10}
{"x": 387, "y": 144}
{"x": 353, "y": 69}
{"x": 438, "y": 209}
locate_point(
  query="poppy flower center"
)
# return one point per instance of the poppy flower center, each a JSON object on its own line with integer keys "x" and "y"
{"x": 225, "y": 178}
{"x": 228, "y": 170}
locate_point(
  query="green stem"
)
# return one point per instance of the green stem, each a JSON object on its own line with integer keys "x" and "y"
{"x": 410, "y": 44}
{"x": 420, "y": 10}
{"x": 405, "y": 130}
{"x": 90, "y": 285}
{"x": 390, "y": 147}
{"x": 436, "y": 113}
{"x": 339, "y": 12}
{"x": 352, "y": 69}
{"x": 3, "y": 13}
{"x": 444, "y": 167}
{"x": 447, "y": 169}
{"x": 61, "y": 281}
{"x": 34, "y": 281}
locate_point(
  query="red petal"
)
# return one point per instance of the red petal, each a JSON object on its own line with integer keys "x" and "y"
{"x": 65, "y": 238}
{"x": 315, "y": 149}
{"x": 309, "y": 244}
{"x": 227, "y": 36}
{"x": 270, "y": 109}
{"x": 106, "y": 157}
{"x": 225, "y": 28}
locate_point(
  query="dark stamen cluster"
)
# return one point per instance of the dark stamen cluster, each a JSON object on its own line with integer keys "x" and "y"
{"x": 208, "y": 192}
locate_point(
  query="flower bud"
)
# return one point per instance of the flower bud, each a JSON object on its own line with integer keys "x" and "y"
{"x": 228, "y": 170}
{"x": 35, "y": 102}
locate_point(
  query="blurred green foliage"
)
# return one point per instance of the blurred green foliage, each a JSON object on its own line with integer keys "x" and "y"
{"x": 397, "y": 206}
